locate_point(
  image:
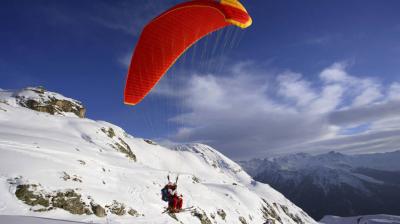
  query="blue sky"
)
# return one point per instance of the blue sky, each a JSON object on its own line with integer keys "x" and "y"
{"x": 298, "y": 57}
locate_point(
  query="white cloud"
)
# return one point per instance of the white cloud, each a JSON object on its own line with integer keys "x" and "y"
{"x": 292, "y": 86}
{"x": 363, "y": 114}
{"x": 249, "y": 113}
{"x": 394, "y": 91}
{"x": 329, "y": 99}
{"x": 369, "y": 95}
{"x": 336, "y": 73}
{"x": 363, "y": 91}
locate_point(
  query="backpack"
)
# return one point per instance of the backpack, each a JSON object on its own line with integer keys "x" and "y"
{"x": 164, "y": 194}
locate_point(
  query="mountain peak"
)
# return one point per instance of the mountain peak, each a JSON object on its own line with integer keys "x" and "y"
{"x": 39, "y": 99}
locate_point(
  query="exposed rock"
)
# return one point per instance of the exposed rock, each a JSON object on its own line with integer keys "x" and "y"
{"x": 150, "y": 142}
{"x": 124, "y": 148}
{"x": 15, "y": 181}
{"x": 30, "y": 195}
{"x": 133, "y": 212}
{"x": 212, "y": 215}
{"x": 295, "y": 218}
{"x": 202, "y": 216}
{"x": 269, "y": 213}
{"x": 43, "y": 201}
{"x": 221, "y": 213}
{"x": 74, "y": 178}
{"x": 242, "y": 220}
{"x": 120, "y": 146}
{"x": 251, "y": 218}
{"x": 117, "y": 208}
{"x": 98, "y": 210}
{"x": 109, "y": 132}
{"x": 38, "y": 99}
{"x": 66, "y": 176}
{"x": 195, "y": 179}
{"x": 82, "y": 162}
{"x": 39, "y": 89}
{"x": 71, "y": 202}
{"x": 87, "y": 138}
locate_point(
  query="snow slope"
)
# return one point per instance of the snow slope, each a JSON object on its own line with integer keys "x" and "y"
{"x": 367, "y": 219}
{"x": 8, "y": 219}
{"x": 54, "y": 155}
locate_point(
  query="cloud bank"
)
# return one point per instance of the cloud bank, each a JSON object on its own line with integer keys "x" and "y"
{"x": 248, "y": 113}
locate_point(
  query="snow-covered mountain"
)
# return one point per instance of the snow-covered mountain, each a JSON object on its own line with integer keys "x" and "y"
{"x": 367, "y": 219}
{"x": 55, "y": 163}
{"x": 334, "y": 183}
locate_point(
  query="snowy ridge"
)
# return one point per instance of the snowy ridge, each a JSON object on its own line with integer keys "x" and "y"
{"x": 39, "y": 99}
{"x": 212, "y": 157}
{"x": 113, "y": 174}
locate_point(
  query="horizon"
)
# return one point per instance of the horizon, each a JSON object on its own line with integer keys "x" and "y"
{"x": 305, "y": 77}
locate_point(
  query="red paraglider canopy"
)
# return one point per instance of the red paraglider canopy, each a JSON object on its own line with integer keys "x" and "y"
{"x": 170, "y": 34}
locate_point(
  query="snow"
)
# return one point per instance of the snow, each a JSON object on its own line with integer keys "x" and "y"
{"x": 38, "y": 95}
{"x": 330, "y": 169}
{"x": 37, "y": 148}
{"x": 368, "y": 219}
{"x": 31, "y": 220}
{"x": 31, "y": 93}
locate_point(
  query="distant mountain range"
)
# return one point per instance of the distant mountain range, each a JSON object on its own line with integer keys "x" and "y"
{"x": 334, "y": 183}
{"x": 368, "y": 219}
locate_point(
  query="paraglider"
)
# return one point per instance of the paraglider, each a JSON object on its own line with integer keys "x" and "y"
{"x": 170, "y": 194}
{"x": 169, "y": 35}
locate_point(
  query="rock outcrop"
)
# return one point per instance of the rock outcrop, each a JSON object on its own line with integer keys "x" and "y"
{"x": 39, "y": 99}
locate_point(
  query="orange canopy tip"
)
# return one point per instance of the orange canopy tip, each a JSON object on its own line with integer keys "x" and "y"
{"x": 129, "y": 103}
{"x": 236, "y": 13}
{"x": 240, "y": 24}
{"x": 234, "y": 3}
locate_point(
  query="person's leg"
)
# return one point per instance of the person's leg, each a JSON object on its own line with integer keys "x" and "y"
{"x": 175, "y": 202}
{"x": 170, "y": 202}
{"x": 180, "y": 202}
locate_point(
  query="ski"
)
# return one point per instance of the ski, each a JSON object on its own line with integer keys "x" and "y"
{"x": 187, "y": 209}
{"x": 181, "y": 210}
